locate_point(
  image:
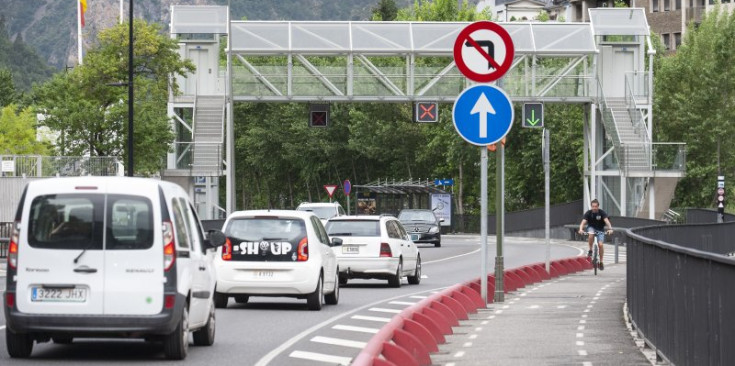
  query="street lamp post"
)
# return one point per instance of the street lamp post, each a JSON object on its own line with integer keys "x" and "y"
{"x": 130, "y": 93}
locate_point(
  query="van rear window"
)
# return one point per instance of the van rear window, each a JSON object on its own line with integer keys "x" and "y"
{"x": 265, "y": 239}
{"x": 71, "y": 221}
{"x": 75, "y": 221}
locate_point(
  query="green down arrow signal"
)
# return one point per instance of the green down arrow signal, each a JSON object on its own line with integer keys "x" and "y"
{"x": 533, "y": 121}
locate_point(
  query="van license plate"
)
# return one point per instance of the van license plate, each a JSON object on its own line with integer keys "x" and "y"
{"x": 350, "y": 249}
{"x": 40, "y": 294}
{"x": 414, "y": 237}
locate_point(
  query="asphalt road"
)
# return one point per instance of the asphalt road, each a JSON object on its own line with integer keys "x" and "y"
{"x": 281, "y": 331}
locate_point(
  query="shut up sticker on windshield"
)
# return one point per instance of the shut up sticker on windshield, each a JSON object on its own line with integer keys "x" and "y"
{"x": 264, "y": 248}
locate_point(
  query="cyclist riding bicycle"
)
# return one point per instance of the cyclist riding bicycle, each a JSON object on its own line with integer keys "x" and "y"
{"x": 594, "y": 221}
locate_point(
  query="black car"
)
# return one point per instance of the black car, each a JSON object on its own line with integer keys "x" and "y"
{"x": 422, "y": 225}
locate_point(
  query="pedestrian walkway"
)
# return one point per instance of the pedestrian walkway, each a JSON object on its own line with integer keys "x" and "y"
{"x": 572, "y": 320}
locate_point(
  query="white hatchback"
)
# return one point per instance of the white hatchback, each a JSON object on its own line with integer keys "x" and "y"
{"x": 276, "y": 253}
{"x": 375, "y": 247}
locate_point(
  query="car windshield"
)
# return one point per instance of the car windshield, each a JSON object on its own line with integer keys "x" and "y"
{"x": 271, "y": 228}
{"x": 353, "y": 228}
{"x": 323, "y": 213}
{"x": 406, "y": 216}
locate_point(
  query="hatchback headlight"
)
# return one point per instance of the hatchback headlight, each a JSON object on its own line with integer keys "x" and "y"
{"x": 434, "y": 229}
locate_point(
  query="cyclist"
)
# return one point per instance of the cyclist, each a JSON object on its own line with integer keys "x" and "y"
{"x": 594, "y": 221}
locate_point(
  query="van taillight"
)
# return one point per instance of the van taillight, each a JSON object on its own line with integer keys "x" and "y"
{"x": 10, "y": 299}
{"x": 385, "y": 250}
{"x": 169, "y": 301}
{"x": 13, "y": 246}
{"x": 227, "y": 250}
{"x": 169, "y": 245}
{"x": 302, "y": 253}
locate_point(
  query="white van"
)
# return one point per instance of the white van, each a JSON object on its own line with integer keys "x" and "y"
{"x": 109, "y": 257}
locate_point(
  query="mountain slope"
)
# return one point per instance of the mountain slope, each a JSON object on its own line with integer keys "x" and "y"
{"x": 26, "y": 66}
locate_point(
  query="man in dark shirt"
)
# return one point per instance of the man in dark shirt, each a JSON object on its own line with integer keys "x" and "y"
{"x": 594, "y": 222}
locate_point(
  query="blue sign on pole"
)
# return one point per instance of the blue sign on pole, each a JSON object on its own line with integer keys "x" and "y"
{"x": 347, "y": 186}
{"x": 482, "y": 114}
{"x": 443, "y": 182}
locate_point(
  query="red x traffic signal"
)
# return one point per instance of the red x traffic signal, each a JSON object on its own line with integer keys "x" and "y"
{"x": 427, "y": 112}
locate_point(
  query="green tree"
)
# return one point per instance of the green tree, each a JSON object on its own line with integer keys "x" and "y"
{"x": 91, "y": 114}
{"x": 18, "y": 133}
{"x": 7, "y": 88}
{"x": 385, "y": 11}
{"x": 693, "y": 99}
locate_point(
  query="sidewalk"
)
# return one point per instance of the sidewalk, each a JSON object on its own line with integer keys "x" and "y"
{"x": 576, "y": 319}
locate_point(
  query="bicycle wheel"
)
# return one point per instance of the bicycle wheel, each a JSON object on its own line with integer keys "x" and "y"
{"x": 594, "y": 265}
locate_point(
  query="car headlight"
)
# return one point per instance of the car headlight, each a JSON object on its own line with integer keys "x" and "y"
{"x": 434, "y": 229}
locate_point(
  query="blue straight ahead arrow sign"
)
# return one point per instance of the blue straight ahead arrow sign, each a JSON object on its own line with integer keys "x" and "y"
{"x": 482, "y": 114}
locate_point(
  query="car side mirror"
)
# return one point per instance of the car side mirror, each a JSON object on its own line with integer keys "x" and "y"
{"x": 441, "y": 219}
{"x": 336, "y": 242}
{"x": 215, "y": 238}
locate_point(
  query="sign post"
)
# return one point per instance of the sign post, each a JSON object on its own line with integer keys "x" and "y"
{"x": 483, "y": 115}
{"x": 545, "y": 147}
{"x": 347, "y": 187}
{"x": 720, "y": 199}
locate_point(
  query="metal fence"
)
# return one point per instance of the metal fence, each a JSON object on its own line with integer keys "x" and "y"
{"x": 525, "y": 220}
{"x": 680, "y": 297}
{"x": 705, "y": 216}
{"x": 63, "y": 166}
{"x": 6, "y": 229}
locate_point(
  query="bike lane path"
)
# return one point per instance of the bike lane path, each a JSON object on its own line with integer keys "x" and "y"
{"x": 575, "y": 319}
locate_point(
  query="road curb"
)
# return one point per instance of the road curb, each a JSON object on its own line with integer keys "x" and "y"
{"x": 412, "y": 335}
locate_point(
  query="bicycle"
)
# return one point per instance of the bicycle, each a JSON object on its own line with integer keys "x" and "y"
{"x": 595, "y": 248}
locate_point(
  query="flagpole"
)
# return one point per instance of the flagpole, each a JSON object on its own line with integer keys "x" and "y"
{"x": 121, "y": 12}
{"x": 79, "y": 31}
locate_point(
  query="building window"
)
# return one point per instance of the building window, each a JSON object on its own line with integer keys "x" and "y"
{"x": 677, "y": 40}
{"x": 654, "y": 5}
{"x": 678, "y": 5}
{"x": 666, "y": 39}
{"x": 666, "y": 5}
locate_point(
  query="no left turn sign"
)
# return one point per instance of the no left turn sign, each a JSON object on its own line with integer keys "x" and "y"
{"x": 483, "y": 51}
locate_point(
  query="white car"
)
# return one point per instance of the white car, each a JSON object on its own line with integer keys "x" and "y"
{"x": 277, "y": 253}
{"x": 109, "y": 257}
{"x": 324, "y": 210}
{"x": 375, "y": 247}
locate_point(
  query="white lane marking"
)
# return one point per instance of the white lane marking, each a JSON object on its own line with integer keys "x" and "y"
{"x": 561, "y": 307}
{"x": 453, "y": 364}
{"x": 473, "y": 336}
{"x": 590, "y": 306}
{"x": 586, "y": 310}
{"x": 524, "y": 294}
{"x": 383, "y": 310}
{"x": 478, "y": 329}
{"x": 355, "y": 329}
{"x": 459, "y": 354}
{"x": 516, "y": 299}
{"x": 586, "y": 363}
{"x": 467, "y": 344}
{"x": 506, "y": 306}
{"x": 339, "y": 342}
{"x": 491, "y": 317}
{"x": 454, "y": 257}
{"x": 584, "y": 315}
{"x": 484, "y": 322}
{"x": 581, "y": 327}
{"x": 268, "y": 358}
{"x": 582, "y": 352}
{"x": 498, "y": 311}
{"x": 402, "y": 303}
{"x": 582, "y": 321}
{"x": 533, "y": 307}
{"x": 371, "y": 318}
{"x": 419, "y": 297}
{"x": 580, "y": 335}
{"x": 321, "y": 357}
{"x": 596, "y": 298}
{"x": 580, "y": 343}
{"x": 593, "y": 302}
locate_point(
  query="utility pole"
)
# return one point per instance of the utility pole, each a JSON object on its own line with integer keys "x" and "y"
{"x": 130, "y": 93}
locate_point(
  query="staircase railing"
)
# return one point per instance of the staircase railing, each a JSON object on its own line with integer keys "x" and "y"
{"x": 611, "y": 126}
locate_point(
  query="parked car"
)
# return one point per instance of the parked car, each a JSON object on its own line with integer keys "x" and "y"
{"x": 277, "y": 253}
{"x": 323, "y": 210}
{"x": 375, "y": 247}
{"x": 422, "y": 225}
{"x": 109, "y": 257}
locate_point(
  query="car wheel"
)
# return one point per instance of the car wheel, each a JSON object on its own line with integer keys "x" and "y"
{"x": 314, "y": 299}
{"x": 205, "y": 335}
{"x": 333, "y": 298}
{"x": 242, "y": 299}
{"x": 20, "y": 345}
{"x": 343, "y": 280}
{"x": 220, "y": 300}
{"x": 438, "y": 243}
{"x": 395, "y": 280}
{"x": 62, "y": 339}
{"x": 416, "y": 278}
{"x": 176, "y": 344}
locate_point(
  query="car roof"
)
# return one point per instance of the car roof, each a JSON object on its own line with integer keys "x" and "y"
{"x": 271, "y": 213}
{"x": 134, "y": 184}
{"x": 319, "y": 204}
{"x": 361, "y": 218}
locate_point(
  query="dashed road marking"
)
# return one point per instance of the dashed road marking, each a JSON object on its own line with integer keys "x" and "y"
{"x": 371, "y": 318}
{"x": 586, "y": 363}
{"x": 459, "y": 354}
{"x": 467, "y": 344}
{"x": 561, "y": 307}
{"x": 402, "y": 303}
{"x": 533, "y": 307}
{"x": 580, "y": 343}
{"x": 383, "y": 310}
{"x": 321, "y": 357}
{"x": 355, "y": 329}
{"x": 484, "y": 322}
{"x": 478, "y": 329}
{"x": 473, "y": 336}
{"x": 582, "y": 352}
{"x": 498, "y": 311}
{"x": 580, "y": 335}
{"x": 419, "y": 297}
{"x": 581, "y": 327}
{"x": 339, "y": 342}
{"x": 582, "y": 321}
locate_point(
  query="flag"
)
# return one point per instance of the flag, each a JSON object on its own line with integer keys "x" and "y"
{"x": 83, "y": 9}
